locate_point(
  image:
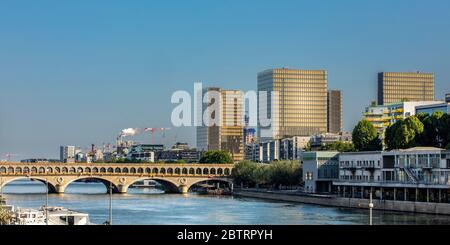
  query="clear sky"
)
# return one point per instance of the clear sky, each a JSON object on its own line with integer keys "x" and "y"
{"x": 77, "y": 72}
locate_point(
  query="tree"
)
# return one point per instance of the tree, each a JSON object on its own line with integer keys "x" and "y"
{"x": 216, "y": 157}
{"x": 5, "y": 216}
{"x": 338, "y": 146}
{"x": 244, "y": 173}
{"x": 405, "y": 133}
{"x": 285, "y": 173}
{"x": 365, "y": 137}
{"x": 436, "y": 129}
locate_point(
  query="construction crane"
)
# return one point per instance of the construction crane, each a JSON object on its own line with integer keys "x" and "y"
{"x": 9, "y": 155}
{"x": 154, "y": 130}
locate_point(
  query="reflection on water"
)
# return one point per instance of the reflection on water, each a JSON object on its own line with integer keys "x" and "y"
{"x": 152, "y": 206}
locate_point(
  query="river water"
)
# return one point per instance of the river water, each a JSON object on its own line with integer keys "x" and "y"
{"x": 152, "y": 206}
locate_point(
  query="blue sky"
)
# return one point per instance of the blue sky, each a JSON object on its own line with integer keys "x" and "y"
{"x": 77, "y": 72}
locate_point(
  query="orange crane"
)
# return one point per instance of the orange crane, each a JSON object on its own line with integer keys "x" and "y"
{"x": 154, "y": 130}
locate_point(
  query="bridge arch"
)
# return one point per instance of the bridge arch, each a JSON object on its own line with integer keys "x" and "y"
{"x": 101, "y": 179}
{"x": 229, "y": 182}
{"x": 205, "y": 171}
{"x": 51, "y": 185}
{"x": 170, "y": 171}
{"x": 169, "y": 186}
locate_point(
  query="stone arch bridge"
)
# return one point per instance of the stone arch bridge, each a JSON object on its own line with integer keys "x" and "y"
{"x": 176, "y": 178}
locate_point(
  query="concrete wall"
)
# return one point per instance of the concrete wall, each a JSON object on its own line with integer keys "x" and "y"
{"x": 385, "y": 205}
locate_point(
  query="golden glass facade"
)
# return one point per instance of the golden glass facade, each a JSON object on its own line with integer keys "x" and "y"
{"x": 396, "y": 87}
{"x": 301, "y": 107}
{"x": 229, "y": 134}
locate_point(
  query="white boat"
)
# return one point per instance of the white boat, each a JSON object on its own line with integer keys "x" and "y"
{"x": 56, "y": 216}
{"x": 28, "y": 216}
{"x": 144, "y": 184}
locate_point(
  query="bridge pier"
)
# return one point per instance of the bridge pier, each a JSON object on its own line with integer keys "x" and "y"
{"x": 183, "y": 189}
{"x": 121, "y": 189}
{"x": 59, "y": 189}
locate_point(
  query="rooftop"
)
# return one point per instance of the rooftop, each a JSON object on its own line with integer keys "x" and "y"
{"x": 421, "y": 148}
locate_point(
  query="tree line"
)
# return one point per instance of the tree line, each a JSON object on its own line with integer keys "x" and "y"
{"x": 419, "y": 130}
{"x": 277, "y": 174}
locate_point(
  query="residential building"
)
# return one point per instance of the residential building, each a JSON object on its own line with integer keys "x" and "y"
{"x": 320, "y": 169}
{"x": 300, "y": 108}
{"x": 67, "y": 154}
{"x": 143, "y": 152}
{"x": 430, "y": 109}
{"x": 382, "y": 116}
{"x": 40, "y": 160}
{"x": 180, "y": 146}
{"x": 319, "y": 140}
{"x": 419, "y": 174}
{"x": 282, "y": 149}
{"x": 334, "y": 111}
{"x": 396, "y": 87}
{"x": 249, "y": 135}
{"x": 226, "y": 132}
{"x": 252, "y": 152}
{"x": 189, "y": 156}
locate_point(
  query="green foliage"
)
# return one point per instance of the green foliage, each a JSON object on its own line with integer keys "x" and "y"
{"x": 216, "y": 157}
{"x": 308, "y": 146}
{"x": 339, "y": 146}
{"x": 5, "y": 216}
{"x": 365, "y": 137}
{"x": 285, "y": 173}
{"x": 404, "y": 133}
{"x": 421, "y": 130}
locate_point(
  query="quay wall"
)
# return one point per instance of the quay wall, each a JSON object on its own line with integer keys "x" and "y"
{"x": 383, "y": 205}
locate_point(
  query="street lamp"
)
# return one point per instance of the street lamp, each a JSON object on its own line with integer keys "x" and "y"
{"x": 370, "y": 209}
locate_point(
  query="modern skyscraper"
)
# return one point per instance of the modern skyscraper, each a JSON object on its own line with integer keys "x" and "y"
{"x": 67, "y": 153}
{"x": 229, "y": 134}
{"x": 334, "y": 104}
{"x": 396, "y": 87}
{"x": 301, "y": 106}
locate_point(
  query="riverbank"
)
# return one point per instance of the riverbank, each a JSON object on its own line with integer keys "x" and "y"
{"x": 324, "y": 200}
